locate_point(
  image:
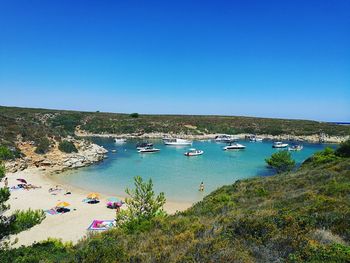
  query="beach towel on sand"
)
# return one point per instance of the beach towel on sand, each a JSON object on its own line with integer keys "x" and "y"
{"x": 101, "y": 224}
{"x": 14, "y": 188}
{"x": 51, "y": 212}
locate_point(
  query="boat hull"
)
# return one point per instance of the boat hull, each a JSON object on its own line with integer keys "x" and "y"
{"x": 189, "y": 154}
{"x": 178, "y": 143}
{"x": 148, "y": 150}
{"x": 236, "y": 146}
{"x": 280, "y": 146}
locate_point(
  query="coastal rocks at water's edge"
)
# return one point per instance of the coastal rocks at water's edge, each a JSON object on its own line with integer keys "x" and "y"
{"x": 88, "y": 153}
{"x": 92, "y": 153}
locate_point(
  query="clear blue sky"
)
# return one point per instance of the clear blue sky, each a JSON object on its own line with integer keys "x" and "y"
{"x": 286, "y": 59}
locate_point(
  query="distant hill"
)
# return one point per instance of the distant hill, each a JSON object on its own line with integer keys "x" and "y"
{"x": 34, "y": 124}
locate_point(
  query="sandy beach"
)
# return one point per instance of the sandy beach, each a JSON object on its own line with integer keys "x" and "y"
{"x": 70, "y": 226}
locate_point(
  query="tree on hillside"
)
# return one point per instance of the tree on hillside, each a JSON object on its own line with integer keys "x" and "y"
{"x": 5, "y": 153}
{"x": 134, "y": 115}
{"x": 19, "y": 220}
{"x": 344, "y": 149}
{"x": 67, "y": 147}
{"x": 43, "y": 146}
{"x": 143, "y": 205}
{"x": 281, "y": 161}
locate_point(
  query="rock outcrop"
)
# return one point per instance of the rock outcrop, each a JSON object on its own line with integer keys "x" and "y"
{"x": 88, "y": 153}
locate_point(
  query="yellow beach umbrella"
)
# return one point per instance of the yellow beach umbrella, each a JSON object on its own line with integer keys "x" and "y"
{"x": 62, "y": 204}
{"x": 93, "y": 196}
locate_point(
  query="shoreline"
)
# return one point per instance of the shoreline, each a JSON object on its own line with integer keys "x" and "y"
{"x": 71, "y": 226}
{"x": 171, "y": 206}
{"x": 315, "y": 138}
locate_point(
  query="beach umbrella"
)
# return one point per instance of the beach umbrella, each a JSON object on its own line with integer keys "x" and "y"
{"x": 62, "y": 204}
{"x": 113, "y": 199}
{"x": 22, "y": 180}
{"x": 93, "y": 196}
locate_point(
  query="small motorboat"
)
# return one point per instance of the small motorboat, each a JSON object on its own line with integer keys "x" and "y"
{"x": 148, "y": 150}
{"x": 279, "y": 145}
{"x": 176, "y": 142}
{"x": 113, "y": 151}
{"x": 254, "y": 138}
{"x": 193, "y": 152}
{"x": 226, "y": 138}
{"x": 234, "y": 146}
{"x": 297, "y": 147}
{"x": 143, "y": 145}
{"x": 119, "y": 140}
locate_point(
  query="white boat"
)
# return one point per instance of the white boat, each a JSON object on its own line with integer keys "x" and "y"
{"x": 279, "y": 145}
{"x": 119, "y": 140}
{"x": 141, "y": 145}
{"x": 148, "y": 150}
{"x": 176, "y": 142}
{"x": 253, "y": 138}
{"x": 226, "y": 138}
{"x": 297, "y": 147}
{"x": 234, "y": 146}
{"x": 193, "y": 152}
{"x": 113, "y": 151}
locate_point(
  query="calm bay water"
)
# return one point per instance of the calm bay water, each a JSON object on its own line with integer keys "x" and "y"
{"x": 172, "y": 172}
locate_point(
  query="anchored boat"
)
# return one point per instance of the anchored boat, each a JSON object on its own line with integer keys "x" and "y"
{"x": 234, "y": 146}
{"x": 193, "y": 152}
{"x": 254, "y": 138}
{"x": 143, "y": 145}
{"x": 148, "y": 150}
{"x": 225, "y": 138}
{"x": 280, "y": 145}
{"x": 119, "y": 140}
{"x": 176, "y": 142}
{"x": 297, "y": 147}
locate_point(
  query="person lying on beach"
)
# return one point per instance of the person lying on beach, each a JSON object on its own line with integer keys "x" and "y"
{"x": 30, "y": 186}
{"x": 62, "y": 210}
{"x": 56, "y": 188}
{"x": 102, "y": 224}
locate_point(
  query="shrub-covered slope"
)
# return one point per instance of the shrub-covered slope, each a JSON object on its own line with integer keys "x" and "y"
{"x": 303, "y": 216}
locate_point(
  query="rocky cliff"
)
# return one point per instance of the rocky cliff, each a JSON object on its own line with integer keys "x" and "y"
{"x": 88, "y": 153}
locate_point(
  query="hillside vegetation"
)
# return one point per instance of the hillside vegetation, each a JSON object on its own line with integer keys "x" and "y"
{"x": 300, "y": 216}
{"x": 35, "y": 124}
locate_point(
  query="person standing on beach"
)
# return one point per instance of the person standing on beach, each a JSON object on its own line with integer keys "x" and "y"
{"x": 201, "y": 187}
{"x": 6, "y": 182}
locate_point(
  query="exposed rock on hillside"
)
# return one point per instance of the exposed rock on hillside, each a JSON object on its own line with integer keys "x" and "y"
{"x": 88, "y": 153}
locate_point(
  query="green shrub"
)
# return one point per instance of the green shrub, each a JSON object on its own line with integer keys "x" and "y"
{"x": 322, "y": 157}
{"x": 51, "y": 250}
{"x": 344, "y": 149}
{"x": 5, "y": 153}
{"x": 134, "y": 115}
{"x": 43, "y": 146}
{"x": 67, "y": 121}
{"x": 143, "y": 205}
{"x": 2, "y": 170}
{"x": 281, "y": 161}
{"x": 26, "y": 219}
{"x": 67, "y": 147}
{"x": 321, "y": 253}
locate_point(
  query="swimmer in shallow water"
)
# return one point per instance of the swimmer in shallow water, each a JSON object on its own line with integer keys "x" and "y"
{"x": 201, "y": 187}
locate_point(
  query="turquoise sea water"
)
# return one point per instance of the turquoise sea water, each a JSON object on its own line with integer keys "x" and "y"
{"x": 172, "y": 172}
